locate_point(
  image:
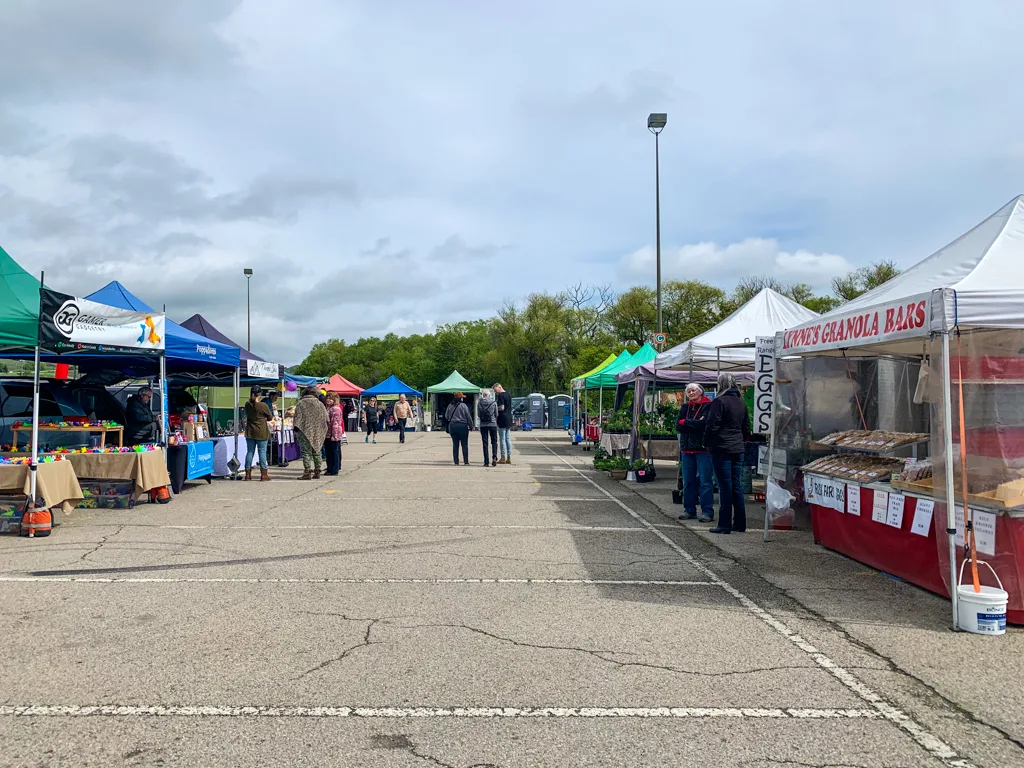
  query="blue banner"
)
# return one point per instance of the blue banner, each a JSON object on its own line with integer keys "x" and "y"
{"x": 200, "y": 460}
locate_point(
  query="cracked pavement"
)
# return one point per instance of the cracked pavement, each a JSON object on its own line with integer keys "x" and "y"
{"x": 382, "y": 590}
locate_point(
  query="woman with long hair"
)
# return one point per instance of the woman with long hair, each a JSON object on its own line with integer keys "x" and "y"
{"x": 310, "y": 430}
{"x": 257, "y": 432}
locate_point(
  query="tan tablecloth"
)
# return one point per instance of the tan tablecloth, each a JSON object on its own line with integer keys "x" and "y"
{"x": 148, "y": 470}
{"x": 56, "y": 483}
{"x": 662, "y": 449}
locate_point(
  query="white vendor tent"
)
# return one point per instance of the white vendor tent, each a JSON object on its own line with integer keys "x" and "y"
{"x": 974, "y": 282}
{"x": 731, "y": 342}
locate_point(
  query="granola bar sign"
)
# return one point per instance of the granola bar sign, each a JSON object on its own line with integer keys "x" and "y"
{"x": 68, "y": 324}
{"x": 897, "y": 321}
{"x": 764, "y": 383}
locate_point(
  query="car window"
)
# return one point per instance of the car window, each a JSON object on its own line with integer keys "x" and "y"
{"x": 17, "y": 402}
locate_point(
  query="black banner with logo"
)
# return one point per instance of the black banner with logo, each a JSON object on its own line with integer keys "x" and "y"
{"x": 70, "y": 325}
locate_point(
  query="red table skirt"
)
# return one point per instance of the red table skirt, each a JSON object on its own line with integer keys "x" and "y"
{"x": 920, "y": 560}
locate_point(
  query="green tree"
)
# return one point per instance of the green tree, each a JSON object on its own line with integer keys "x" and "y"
{"x": 529, "y": 342}
{"x": 634, "y": 316}
{"x": 862, "y": 280}
{"x": 689, "y": 308}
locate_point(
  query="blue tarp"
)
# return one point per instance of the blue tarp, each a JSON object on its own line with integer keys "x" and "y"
{"x": 181, "y": 344}
{"x": 392, "y": 385}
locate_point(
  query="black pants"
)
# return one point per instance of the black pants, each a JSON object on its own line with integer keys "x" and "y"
{"x": 333, "y": 450}
{"x": 732, "y": 510}
{"x": 371, "y": 426}
{"x": 401, "y": 430}
{"x": 489, "y": 433}
{"x": 460, "y": 436}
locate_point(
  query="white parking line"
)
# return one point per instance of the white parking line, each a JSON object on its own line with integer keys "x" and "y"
{"x": 612, "y": 528}
{"x": 115, "y": 710}
{"x": 215, "y": 580}
{"x": 931, "y": 743}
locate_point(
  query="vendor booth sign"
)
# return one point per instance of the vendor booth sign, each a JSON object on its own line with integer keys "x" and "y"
{"x": 200, "y": 460}
{"x": 70, "y": 324}
{"x": 904, "y": 320}
{"x": 261, "y": 369}
{"x": 764, "y": 383}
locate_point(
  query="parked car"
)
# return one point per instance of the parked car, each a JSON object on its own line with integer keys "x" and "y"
{"x": 54, "y": 403}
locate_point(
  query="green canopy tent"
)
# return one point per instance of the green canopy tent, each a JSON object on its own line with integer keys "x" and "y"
{"x": 19, "y": 306}
{"x": 441, "y": 394}
{"x": 579, "y": 384}
{"x": 625, "y": 362}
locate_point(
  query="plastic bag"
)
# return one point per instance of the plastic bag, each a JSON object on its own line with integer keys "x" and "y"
{"x": 777, "y": 505}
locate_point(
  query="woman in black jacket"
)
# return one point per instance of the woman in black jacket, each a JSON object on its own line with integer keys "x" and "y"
{"x": 726, "y": 432}
{"x": 459, "y": 421}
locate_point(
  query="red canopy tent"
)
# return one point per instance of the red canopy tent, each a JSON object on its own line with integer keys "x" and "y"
{"x": 342, "y": 386}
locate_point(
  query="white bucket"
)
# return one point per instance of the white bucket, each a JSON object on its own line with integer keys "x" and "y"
{"x": 983, "y": 613}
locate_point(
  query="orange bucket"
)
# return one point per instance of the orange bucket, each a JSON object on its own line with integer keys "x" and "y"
{"x": 36, "y": 522}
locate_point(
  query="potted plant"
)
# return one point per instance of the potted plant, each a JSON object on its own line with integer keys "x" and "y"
{"x": 619, "y": 468}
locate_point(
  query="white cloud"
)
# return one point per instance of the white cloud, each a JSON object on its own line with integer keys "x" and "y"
{"x": 724, "y": 266}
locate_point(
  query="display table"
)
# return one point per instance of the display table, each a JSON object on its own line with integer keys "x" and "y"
{"x": 667, "y": 450}
{"x": 224, "y": 450}
{"x": 920, "y": 560}
{"x": 189, "y": 461}
{"x": 612, "y": 442}
{"x": 102, "y": 431}
{"x": 56, "y": 483}
{"x": 289, "y": 451}
{"x": 148, "y": 469}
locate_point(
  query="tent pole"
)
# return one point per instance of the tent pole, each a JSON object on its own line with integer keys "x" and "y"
{"x": 234, "y": 428}
{"x": 280, "y": 427}
{"x": 33, "y": 465}
{"x": 947, "y": 440}
{"x": 163, "y": 399}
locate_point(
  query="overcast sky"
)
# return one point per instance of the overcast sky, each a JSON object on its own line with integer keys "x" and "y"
{"x": 389, "y": 166}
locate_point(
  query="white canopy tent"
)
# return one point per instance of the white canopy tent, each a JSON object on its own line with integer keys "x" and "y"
{"x": 730, "y": 344}
{"x": 974, "y": 283}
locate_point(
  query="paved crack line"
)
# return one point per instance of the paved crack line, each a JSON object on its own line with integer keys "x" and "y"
{"x": 927, "y": 740}
{"x": 214, "y": 580}
{"x": 116, "y": 710}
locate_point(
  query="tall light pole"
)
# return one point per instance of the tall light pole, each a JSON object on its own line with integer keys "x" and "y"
{"x": 656, "y": 124}
{"x": 248, "y": 309}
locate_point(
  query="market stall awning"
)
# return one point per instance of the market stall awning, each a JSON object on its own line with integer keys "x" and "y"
{"x": 765, "y": 314}
{"x": 342, "y": 386}
{"x": 974, "y": 282}
{"x": 455, "y": 382}
{"x": 607, "y": 377}
{"x": 19, "y": 305}
{"x": 392, "y": 385}
{"x": 577, "y": 382}
{"x": 253, "y": 366}
{"x": 591, "y": 381}
{"x": 182, "y": 345}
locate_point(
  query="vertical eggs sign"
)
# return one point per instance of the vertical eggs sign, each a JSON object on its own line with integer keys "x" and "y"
{"x": 764, "y": 383}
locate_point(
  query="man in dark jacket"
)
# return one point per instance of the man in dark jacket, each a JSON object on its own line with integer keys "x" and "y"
{"x": 696, "y": 462}
{"x": 140, "y": 426}
{"x": 726, "y": 433}
{"x": 504, "y": 402}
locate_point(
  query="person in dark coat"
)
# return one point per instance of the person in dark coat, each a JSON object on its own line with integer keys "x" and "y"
{"x": 141, "y": 422}
{"x": 459, "y": 420}
{"x": 504, "y": 402}
{"x": 726, "y": 433}
{"x": 696, "y": 464}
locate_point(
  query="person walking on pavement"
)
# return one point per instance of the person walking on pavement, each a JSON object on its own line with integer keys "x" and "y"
{"x": 335, "y": 434}
{"x": 402, "y": 412}
{"x": 257, "y": 432}
{"x": 311, "y": 431}
{"x": 725, "y": 434}
{"x": 487, "y": 409}
{"x": 370, "y": 415}
{"x": 697, "y": 469}
{"x": 504, "y": 402}
{"x": 459, "y": 420}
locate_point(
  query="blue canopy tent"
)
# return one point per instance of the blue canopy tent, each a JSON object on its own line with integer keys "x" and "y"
{"x": 392, "y": 385}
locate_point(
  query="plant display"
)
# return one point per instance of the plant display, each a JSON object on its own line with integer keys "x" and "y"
{"x": 621, "y": 422}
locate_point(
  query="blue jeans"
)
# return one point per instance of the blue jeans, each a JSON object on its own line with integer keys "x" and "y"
{"x": 505, "y": 442}
{"x": 697, "y": 480}
{"x": 732, "y": 509}
{"x": 254, "y": 446}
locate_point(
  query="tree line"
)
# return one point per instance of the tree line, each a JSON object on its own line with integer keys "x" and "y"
{"x": 539, "y": 345}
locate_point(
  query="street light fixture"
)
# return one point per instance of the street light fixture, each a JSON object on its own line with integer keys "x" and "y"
{"x": 248, "y": 309}
{"x": 656, "y": 124}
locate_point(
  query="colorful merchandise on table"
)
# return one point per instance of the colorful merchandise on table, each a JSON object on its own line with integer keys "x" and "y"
{"x": 25, "y": 460}
{"x": 69, "y": 422}
{"x": 109, "y": 449}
